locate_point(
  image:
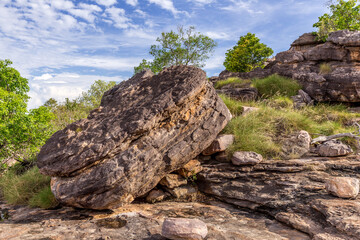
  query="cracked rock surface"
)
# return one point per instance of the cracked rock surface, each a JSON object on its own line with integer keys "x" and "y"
{"x": 145, "y": 128}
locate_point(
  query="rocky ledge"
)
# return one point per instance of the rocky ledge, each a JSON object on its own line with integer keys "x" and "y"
{"x": 302, "y": 193}
{"x": 327, "y": 71}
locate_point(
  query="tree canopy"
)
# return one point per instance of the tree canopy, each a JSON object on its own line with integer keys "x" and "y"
{"x": 247, "y": 54}
{"x": 343, "y": 15}
{"x": 184, "y": 47}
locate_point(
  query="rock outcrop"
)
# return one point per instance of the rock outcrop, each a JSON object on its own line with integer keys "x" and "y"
{"x": 145, "y": 128}
{"x": 327, "y": 71}
{"x": 294, "y": 192}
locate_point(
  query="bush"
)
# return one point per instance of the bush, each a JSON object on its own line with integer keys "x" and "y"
{"x": 247, "y": 55}
{"x": 233, "y": 81}
{"x": 276, "y": 85}
{"x": 27, "y": 188}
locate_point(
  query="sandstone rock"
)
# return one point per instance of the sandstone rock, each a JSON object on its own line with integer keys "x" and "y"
{"x": 246, "y": 158}
{"x": 247, "y": 110}
{"x": 326, "y": 52}
{"x": 184, "y": 229}
{"x": 290, "y": 56}
{"x": 156, "y": 196}
{"x": 220, "y": 144}
{"x": 222, "y": 157}
{"x": 343, "y": 187}
{"x": 345, "y": 38}
{"x": 190, "y": 169}
{"x": 306, "y": 39}
{"x": 183, "y": 191}
{"x": 333, "y": 148}
{"x": 302, "y": 100}
{"x": 146, "y": 128}
{"x": 173, "y": 181}
{"x": 296, "y": 145}
{"x": 292, "y": 191}
{"x": 240, "y": 94}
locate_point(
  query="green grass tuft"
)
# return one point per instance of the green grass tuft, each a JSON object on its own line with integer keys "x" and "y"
{"x": 234, "y": 82}
{"x": 276, "y": 85}
{"x": 325, "y": 68}
{"x": 44, "y": 199}
{"x": 20, "y": 189}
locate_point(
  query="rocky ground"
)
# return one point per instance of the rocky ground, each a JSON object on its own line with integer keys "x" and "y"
{"x": 141, "y": 221}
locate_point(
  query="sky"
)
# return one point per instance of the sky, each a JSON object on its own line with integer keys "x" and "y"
{"x": 63, "y": 46}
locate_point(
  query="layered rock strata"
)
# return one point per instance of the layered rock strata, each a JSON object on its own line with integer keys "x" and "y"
{"x": 145, "y": 128}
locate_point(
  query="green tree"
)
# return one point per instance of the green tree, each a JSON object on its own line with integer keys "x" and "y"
{"x": 22, "y": 132}
{"x": 92, "y": 98}
{"x": 343, "y": 15}
{"x": 184, "y": 47}
{"x": 247, "y": 55}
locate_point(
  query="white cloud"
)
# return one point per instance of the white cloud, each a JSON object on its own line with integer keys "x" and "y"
{"x": 218, "y": 35}
{"x": 85, "y": 11}
{"x": 132, "y": 2}
{"x": 117, "y": 16}
{"x": 106, "y": 3}
{"x": 45, "y": 76}
{"x": 250, "y": 6}
{"x": 202, "y": 2}
{"x": 165, "y": 4}
{"x": 61, "y": 86}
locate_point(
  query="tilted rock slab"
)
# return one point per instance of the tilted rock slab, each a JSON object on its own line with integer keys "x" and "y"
{"x": 145, "y": 128}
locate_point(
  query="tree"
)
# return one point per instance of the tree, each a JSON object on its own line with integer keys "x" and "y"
{"x": 22, "y": 132}
{"x": 186, "y": 47}
{"x": 343, "y": 15}
{"x": 247, "y": 55}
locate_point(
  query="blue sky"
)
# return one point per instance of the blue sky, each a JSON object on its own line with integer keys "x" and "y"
{"x": 63, "y": 46}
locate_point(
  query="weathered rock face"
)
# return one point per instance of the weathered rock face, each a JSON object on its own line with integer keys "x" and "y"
{"x": 333, "y": 148}
{"x": 293, "y": 192}
{"x": 341, "y": 54}
{"x": 296, "y": 145}
{"x": 145, "y": 128}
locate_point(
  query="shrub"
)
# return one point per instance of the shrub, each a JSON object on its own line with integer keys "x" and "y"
{"x": 234, "y": 82}
{"x": 44, "y": 199}
{"x": 20, "y": 189}
{"x": 276, "y": 85}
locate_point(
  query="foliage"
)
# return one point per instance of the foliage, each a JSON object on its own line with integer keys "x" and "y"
{"x": 233, "y": 82}
{"x": 247, "y": 55}
{"x": 325, "y": 68}
{"x": 184, "y": 47}
{"x": 276, "y": 85}
{"x": 22, "y": 132}
{"x": 26, "y": 188}
{"x": 262, "y": 131}
{"x": 343, "y": 15}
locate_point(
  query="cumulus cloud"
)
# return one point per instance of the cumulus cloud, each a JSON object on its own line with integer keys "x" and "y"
{"x": 132, "y": 2}
{"x": 106, "y": 3}
{"x": 165, "y": 4}
{"x": 118, "y": 18}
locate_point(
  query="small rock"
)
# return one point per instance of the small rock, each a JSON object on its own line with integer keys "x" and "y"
{"x": 183, "y": 191}
{"x": 246, "y": 158}
{"x": 296, "y": 145}
{"x": 190, "y": 169}
{"x": 247, "y": 110}
{"x": 343, "y": 187}
{"x": 220, "y": 144}
{"x": 184, "y": 229}
{"x": 333, "y": 148}
{"x": 156, "y": 196}
{"x": 173, "y": 181}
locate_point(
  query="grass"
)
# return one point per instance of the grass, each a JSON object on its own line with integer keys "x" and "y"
{"x": 276, "y": 85}
{"x": 262, "y": 131}
{"x": 325, "y": 68}
{"x": 30, "y": 188}
{"x": 233, "y": 82}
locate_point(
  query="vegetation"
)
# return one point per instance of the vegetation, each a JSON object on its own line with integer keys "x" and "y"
{"x": 22, "y": 132}
{"x": 276, "y": 85}
{"x": 262, "y": 131}
{"x": 186, "y": 47}
{"x": 247, "y": 55}
{"x": 30, "y": 188}
{"x": 233, "y": 82}
{"x": 325, "y": 68}
{"x": 343, "y": 15}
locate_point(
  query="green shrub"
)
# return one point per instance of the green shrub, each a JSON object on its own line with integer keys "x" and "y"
{"x": 20, "y": 189}
{"x": 276, "y": 85}
{"x": 44, "y": 199}
{"x": 234, "y": 82}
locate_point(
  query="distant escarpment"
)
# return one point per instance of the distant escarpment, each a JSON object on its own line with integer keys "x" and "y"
{"x": 145, "y": 128}
{"x": 327, "y": 71}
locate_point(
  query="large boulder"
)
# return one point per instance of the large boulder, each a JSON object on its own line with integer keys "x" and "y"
{"x": 145, "y": 128}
